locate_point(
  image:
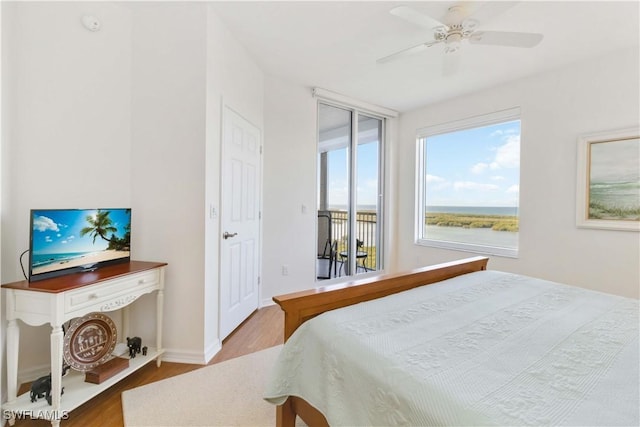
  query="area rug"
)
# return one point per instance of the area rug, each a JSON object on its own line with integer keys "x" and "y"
{"x": 224, "y": 394}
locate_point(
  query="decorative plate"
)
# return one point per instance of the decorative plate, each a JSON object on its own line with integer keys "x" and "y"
{"x": 89, "y": 341}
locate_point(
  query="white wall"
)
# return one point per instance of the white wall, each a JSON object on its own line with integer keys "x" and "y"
{"x": 557, "y": 106}
{"x": 289, "y": 183}
{"x": 67, "y": 99}
{"x": 235, "y": 80}
{"x": 168, "y": 105}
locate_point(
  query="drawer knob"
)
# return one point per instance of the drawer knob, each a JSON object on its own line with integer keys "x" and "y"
{"x": 93, "y": 296}
{"x": 140, "y": 282}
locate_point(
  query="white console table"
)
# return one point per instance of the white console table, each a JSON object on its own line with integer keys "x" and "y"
{"x": 58, "y": 300}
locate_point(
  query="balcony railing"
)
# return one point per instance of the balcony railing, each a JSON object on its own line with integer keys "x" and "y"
{"x": 366, "y": 230}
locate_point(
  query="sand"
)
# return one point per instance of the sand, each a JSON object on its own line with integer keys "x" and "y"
{"x": 87, "y": 259}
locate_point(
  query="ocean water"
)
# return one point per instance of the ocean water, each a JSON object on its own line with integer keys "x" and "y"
{"x": 624, "y": 195}
{"x": 476, "y": 236}
{"x": 475, "y": 210}
{"x": 361, "y": 208}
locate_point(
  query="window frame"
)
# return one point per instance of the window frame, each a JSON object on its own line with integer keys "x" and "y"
{"x": 493, "y": 118}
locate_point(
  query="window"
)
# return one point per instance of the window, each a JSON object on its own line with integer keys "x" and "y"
{"x": 468, "y": 182}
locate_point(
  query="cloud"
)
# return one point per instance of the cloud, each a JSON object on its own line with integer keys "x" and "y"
{"x": 435, "y": 182}
{"x": 476, "y": 186}
{"x": 42, "y": 223}
{"x": 48, "y": 239}
{"x": 64, "y": 241}
{"x": 508, "y": 155}
{"x": 500, "y": 132}
{"x": 478, "y": 168}
{"x": 434, "y": 179}
{"x": 338, "y": 192}
{"x": 497, "y": 178}
{"x": 515, "y": 188}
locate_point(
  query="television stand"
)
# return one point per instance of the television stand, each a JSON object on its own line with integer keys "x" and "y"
{"x": 60, "y": 299}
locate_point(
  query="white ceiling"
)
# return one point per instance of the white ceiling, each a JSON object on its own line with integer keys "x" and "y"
{"x": 334, "y": 45}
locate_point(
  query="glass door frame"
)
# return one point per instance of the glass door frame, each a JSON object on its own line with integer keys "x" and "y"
{"x": 353, "y": 187}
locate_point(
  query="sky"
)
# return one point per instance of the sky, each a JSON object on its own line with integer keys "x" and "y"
{"x": 615, "y": 161}
{"x": 367, "y": 175}
{"x": 58, "y": 231}
{"x": 474, "y": 167}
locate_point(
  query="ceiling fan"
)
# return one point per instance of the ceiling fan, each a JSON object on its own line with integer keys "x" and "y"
{"x": 458, "y": 24}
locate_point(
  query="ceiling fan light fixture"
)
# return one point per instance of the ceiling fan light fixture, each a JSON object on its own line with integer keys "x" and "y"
{"x": 452, "y": 46}
{"x": 440, "y": 33}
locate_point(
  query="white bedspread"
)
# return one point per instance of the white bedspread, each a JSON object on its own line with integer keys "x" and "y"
{"x": 486, "y": 348}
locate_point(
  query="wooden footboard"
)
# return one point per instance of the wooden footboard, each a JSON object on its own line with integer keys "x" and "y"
{"x": 299, "y": 307}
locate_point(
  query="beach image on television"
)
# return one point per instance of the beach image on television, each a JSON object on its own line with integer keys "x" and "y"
{"x": 62, "y": 239}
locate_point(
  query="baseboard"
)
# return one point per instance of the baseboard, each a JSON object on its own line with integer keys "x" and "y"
{"x": 181, "y": 356}
{"x": 267, "y": 302}
{"x": 212, "y": 350}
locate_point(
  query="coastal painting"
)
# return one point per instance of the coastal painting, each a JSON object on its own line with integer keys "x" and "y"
{"x": 611, "y": 182}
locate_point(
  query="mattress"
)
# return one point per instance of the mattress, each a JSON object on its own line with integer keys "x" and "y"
{"x": 485, "y": 348}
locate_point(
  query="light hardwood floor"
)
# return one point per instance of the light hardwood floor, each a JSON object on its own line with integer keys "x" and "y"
{"x": 263, "y": 329}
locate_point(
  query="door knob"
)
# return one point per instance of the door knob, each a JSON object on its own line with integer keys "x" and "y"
{"x": 226, "y": 234}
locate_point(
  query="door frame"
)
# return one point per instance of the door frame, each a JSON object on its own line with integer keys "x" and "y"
{"x": 383, "y": 186}
{"x": 224, "y": 108}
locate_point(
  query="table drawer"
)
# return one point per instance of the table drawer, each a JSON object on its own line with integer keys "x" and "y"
{"x": 117, "y": 293}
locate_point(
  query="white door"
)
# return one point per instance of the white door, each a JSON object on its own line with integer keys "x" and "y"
{"x": 240, "y": 250}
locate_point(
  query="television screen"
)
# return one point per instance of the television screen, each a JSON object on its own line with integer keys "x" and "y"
{"x": 65, "y": 241}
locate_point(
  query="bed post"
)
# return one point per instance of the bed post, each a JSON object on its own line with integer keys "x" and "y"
{"x": 285, "y": 415}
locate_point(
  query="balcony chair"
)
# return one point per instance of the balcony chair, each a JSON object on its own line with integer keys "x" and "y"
{"x": 327, "y": 247}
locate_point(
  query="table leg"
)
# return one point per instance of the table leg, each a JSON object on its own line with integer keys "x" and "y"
{"x": 159, "y": 314}
{"x": 57, "y": 342}
{"x": 13, "y": 343}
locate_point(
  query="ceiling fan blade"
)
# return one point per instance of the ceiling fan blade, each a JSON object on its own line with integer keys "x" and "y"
{"x": 406, "y": 52}
{"x": 506, "y": 38}
{"x": 485, "y": 11}
{"x": 415, "y": 17}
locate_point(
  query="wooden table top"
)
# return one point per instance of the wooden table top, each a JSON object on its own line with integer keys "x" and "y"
{"x": 77, "y": 280}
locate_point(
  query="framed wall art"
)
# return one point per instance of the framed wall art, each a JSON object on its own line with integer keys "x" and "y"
{"x": 608, "y": 181}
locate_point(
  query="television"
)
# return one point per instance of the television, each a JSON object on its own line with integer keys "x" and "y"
{"x": 66, "y": 241}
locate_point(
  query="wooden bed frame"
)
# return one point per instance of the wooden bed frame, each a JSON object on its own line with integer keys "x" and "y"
{"x": 299, "y": 307}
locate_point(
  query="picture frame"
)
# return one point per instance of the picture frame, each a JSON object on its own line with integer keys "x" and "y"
{"x": 608, "y": 180}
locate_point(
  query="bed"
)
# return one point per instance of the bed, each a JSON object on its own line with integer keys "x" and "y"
{"x": 475, "y": 347}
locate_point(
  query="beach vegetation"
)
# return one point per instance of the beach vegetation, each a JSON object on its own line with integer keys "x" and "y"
{"x": 603, "y": 211}
{"x": 100, "y": 225}
{"x": 493, "y": 222}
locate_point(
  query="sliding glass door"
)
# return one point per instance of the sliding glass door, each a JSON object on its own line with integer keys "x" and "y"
{"x": 350, "y": 190}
